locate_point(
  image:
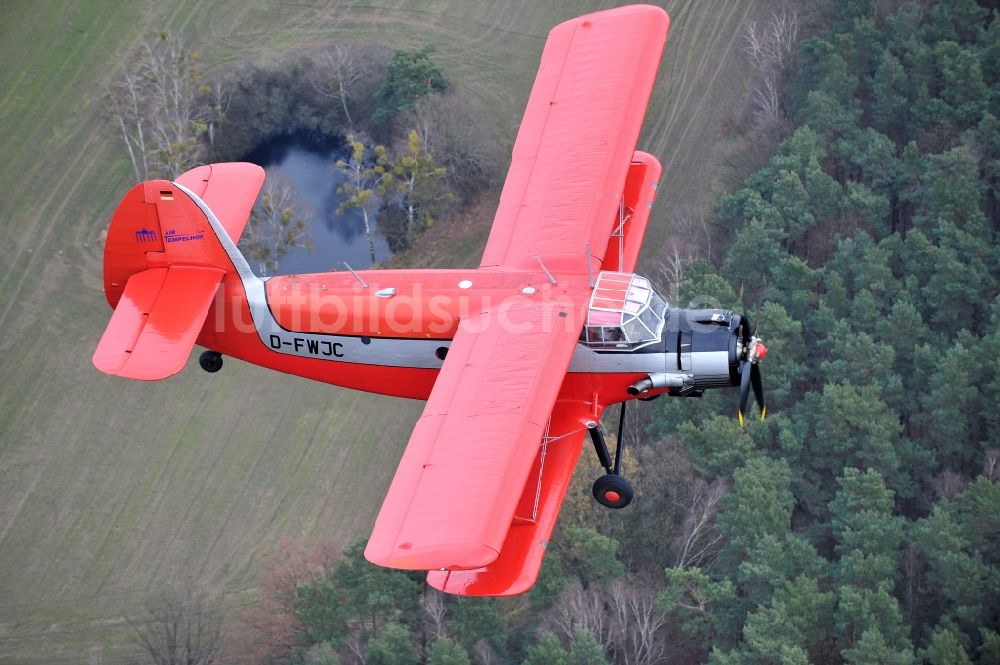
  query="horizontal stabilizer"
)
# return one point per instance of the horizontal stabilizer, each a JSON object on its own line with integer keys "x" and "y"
{"x": 156, "y": 322}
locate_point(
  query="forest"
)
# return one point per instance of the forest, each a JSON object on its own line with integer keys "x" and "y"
{"x": 860, "y": 521}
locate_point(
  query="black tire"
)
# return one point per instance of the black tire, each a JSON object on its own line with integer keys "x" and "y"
{"x": 210, "y": 361}
{"x": 613, "y": 491}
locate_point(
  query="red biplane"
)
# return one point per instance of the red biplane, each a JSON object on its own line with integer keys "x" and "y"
{"x": 517, "y": 359}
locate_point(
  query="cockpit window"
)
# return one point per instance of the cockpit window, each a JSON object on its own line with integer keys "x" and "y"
{"x": 625, "y": 313}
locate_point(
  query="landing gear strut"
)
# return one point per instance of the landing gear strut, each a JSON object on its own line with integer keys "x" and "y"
{"x": 210, "y": 361}
{"x": 611, "y": 490}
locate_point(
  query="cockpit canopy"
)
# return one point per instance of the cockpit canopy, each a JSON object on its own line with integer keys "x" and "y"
{"x": 625, "y": 313}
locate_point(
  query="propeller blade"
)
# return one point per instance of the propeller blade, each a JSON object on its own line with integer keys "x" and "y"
{"x": 758, "y": 389}
{"x": 745, "y": 372}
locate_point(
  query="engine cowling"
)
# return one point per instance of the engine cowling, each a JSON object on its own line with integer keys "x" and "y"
{"x": 705, "y": 348}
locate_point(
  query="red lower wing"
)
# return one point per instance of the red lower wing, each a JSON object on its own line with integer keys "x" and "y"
{"x": 458, "y": 485}
{"x": 520, "y": 560}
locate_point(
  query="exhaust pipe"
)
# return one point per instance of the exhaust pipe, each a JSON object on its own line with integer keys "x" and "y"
{"x": 656, "y": 380}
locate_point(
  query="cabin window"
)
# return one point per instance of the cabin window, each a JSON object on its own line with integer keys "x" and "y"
{"x": 625, "y": 313}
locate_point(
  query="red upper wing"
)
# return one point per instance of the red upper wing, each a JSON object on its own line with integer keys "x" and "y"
{"x": 577, "y": 138}
{"x": 468, "y": 462}
{"x": 452, "y": 500}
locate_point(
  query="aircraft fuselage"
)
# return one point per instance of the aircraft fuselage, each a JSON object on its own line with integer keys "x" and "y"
{"x": 389, "y": 331}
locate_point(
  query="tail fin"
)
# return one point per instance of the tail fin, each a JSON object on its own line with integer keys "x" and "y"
{"x": 169, "y": 246}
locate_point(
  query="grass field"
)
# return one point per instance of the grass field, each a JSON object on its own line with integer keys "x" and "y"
{"x": 110, "y": 489}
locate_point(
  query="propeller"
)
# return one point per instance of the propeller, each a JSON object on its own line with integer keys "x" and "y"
{"x": 750, "y": 377}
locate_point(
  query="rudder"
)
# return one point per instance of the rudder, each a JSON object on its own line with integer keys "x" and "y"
{"x": 158, "y": 224}
{"x": 164, "y": 259}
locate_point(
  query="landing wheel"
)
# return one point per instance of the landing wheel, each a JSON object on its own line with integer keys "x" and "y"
{"x": 210, "y": 361}
{"x": 613, "y": 491}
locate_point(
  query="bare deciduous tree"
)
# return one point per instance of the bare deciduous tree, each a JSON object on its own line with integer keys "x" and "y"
{"x": 691, "y": 239}
{"x": 341, "y": 69}
{"x": 277, "y": 224}
{"x": 697, "y": 541}
{"x": 219, "y": 97}
{"x": 434, "y": 608}
{"x": 672, "y": 270}
{"x": 355, "y": 645}
{"x": 991, "y": 465}
{"x": 638, "y": 621}
{"x": 485, "y": 654}
{"x": 767, "y": 96}
{"x": 162, "y": 108}
{"x": 774, "y": 42}
{"x": 272, "y": 619}
{"x": 461, "y": 138}
{"x": 771, "y": 48}
{"x": 128, "y": 101}
{"x": 180, "y": 627}
{"x": 948, "y": 484}
{"x": 363, "y": 172}
{"x": 580, "y": 608}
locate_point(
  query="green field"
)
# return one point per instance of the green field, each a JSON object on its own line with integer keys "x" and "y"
{"x": 110, "y": 489}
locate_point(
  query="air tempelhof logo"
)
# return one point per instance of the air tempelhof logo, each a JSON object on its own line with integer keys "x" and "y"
{"x": 173, "y": 236}
{"x": 145, "y": 235}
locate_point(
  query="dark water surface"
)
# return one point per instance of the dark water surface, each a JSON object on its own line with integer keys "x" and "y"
{"x": 309, "y": 165}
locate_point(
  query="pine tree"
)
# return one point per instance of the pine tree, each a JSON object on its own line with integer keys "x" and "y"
{"x": 849, "y": 425}
{"x": 795, "y": 625}
{"x": 956, "y": 585}
{"x": 547, "y": 651}
{"x": 409, "y": 75}
{"x": 760, "y": 505}
{"x": 393, "y": 646}
{"x": 479, "y": 619}
{"x": 945, "y": 649}
{"x": 584, "y": 649}
{"x": 868, "y": 536}
{"x": 416, "y": 188}
{"x": 872, "y": 649}
{"x": 707, "y": 609}
{"x": 321, "y": 612}
{"x": 375, "y": 596}
{"x": 890, "y": 102}
{"x": 590, "y": 556}
{"x": 951, "y": 406}
{"x": 446, "y": 651}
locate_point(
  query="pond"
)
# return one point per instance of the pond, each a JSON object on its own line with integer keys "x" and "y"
{"x": 308, "y": 164}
